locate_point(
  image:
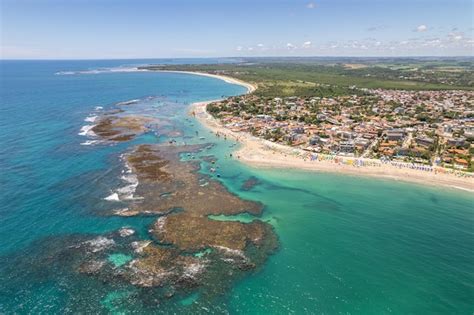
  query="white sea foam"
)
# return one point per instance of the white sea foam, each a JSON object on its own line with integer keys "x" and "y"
{"x": 90, "y": 118}
{"x": 123, "y": 69}
{"x": 112, "y": 197}
{"x": 90, "y": 142}
{"x": 100, "y": 243}
{"x": 65, "y": 72}
{"x": 102, "y": 70}
{"x": 160, "y": 223}
{"x": 229, "y": 252}
{"x": 127, "y": 192}
{"x": 462, "y": 188}
{"x": 121, "y": 212}
{"x": 193, "y": 270}
{"x": 140, "y": 246}
{"x": 87, "y": 131}
{"x": 130, "y": 102}
{"x": 99, "y": 108}
{"x": 124, "y": 232}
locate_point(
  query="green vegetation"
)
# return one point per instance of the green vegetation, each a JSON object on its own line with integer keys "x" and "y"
{"x": 335, "y": 77}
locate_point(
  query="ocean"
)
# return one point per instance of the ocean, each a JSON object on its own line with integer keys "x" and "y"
{"x": 347, "y": 244}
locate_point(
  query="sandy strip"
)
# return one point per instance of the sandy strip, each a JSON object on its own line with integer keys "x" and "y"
{"x": 250, "y": 87}
{"x": 262, "y": 153}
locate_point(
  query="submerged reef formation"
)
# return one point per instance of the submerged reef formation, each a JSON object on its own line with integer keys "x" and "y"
{"x": 185, "y": 251}
{"x": 185, "y": 198}
{"x": 188, "y": 250}
{"x": 250, "y": 183}
{"x": 193, "y": 233}
{"x": 121, "y": 128}
{"x": 167, "y": 183}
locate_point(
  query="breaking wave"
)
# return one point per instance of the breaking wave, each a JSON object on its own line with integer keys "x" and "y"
{"x": 87, "y": 131}
{"x": 102, "y": 70}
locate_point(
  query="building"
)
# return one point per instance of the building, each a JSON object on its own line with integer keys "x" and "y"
{"x": 346, "y": 147}
{"x": 456, "y": 142}
{"x": 395, "y": 134}
{"x": 424, "y": 141}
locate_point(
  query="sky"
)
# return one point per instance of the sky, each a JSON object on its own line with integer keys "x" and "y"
{"x": 121, "y": 29}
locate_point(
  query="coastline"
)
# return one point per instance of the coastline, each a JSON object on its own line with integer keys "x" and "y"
{"x": 250, "y": 87}
{"x": 261, "y": 153}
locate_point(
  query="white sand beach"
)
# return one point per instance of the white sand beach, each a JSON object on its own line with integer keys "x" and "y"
{"x": 250, "y": 87}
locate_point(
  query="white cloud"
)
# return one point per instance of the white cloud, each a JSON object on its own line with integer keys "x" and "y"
{"x": 239, "y": 48}
{"x": 306, "y": 44}
{"x": 455, "y": 37}
{"x": 450, "y": 43}
{"x": 434, "y": 42}
{"x": 311, "y": 5}
{"x": 421, "y": 28}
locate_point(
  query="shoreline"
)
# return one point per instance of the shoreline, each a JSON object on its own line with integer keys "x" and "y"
{"x": 250, "y": 87}
{"x": 261, "y": 153}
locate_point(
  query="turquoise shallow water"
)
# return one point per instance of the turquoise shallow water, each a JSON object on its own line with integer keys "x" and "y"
{"x": 349, "y": 245}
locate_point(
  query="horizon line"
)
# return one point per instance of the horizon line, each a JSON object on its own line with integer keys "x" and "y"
{"x": 234, "y": 57}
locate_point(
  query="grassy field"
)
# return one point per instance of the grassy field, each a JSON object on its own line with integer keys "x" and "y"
{"x": 306, "y": 77}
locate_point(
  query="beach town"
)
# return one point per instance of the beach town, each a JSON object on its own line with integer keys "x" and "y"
{"x": 418, "y": 136}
